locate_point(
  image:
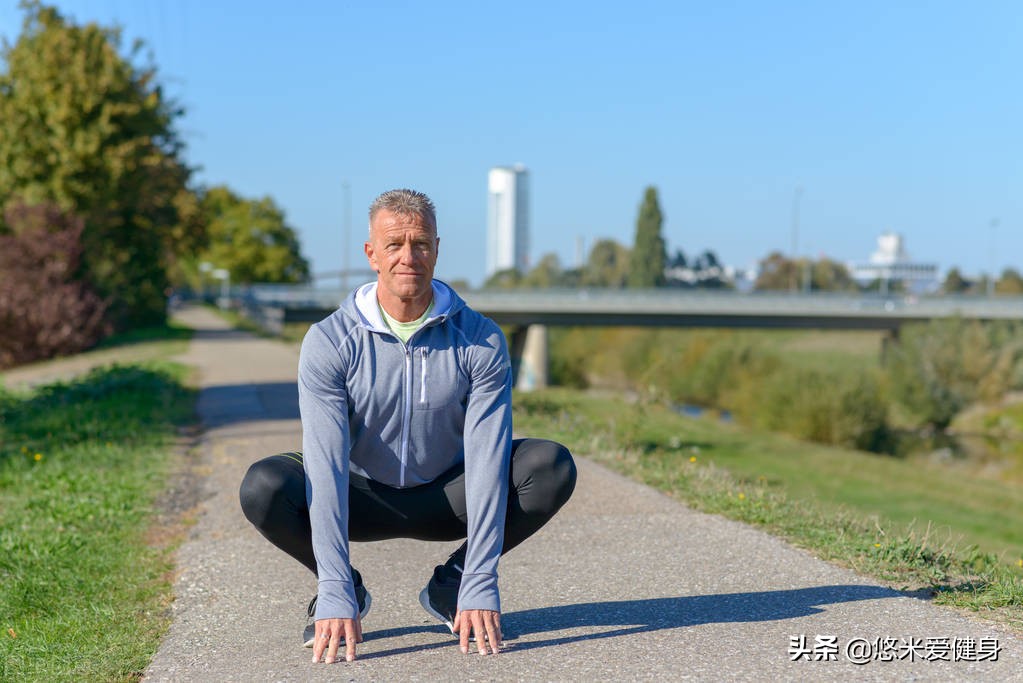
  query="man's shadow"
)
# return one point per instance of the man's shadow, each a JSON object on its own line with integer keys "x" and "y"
{"x": 628, "y": 617}
{"x": 229, "y": 404}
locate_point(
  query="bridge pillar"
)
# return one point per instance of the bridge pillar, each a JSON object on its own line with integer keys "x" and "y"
{"x": 888, "y": 343}
{"x": 529, "y": 349}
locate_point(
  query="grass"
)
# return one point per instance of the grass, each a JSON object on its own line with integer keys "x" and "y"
{"x": 824, "y": 349}
{"x": 911, "y": 524}
{"x": 83, "y": 590}
{"x": 136, "y": 346}
{"x": 169, "y": 332}
{"x": 292, "y": 333}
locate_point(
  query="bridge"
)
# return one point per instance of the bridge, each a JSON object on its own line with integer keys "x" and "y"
{"x": 529, "y": 312}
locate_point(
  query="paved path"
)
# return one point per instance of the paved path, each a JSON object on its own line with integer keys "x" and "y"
{"x": 624, "y": 584}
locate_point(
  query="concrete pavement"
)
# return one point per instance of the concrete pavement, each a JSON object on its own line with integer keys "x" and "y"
{"x": 625, "y": 583}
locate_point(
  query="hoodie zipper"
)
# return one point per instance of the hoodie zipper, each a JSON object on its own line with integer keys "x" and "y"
{"x": 422, "y": 375}
{"x": 406, "y": 417}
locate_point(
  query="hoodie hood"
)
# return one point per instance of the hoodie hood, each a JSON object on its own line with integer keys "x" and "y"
{"x": 362, "y": 306}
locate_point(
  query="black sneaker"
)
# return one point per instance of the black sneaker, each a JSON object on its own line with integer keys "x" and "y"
{"x": 362, "y": 597}
{"x": 440, "y": 597}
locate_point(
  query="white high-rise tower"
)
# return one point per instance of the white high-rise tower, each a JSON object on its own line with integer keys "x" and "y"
{"x": 508, "y": 219}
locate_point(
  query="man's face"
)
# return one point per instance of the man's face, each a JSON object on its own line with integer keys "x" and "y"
{"x": 403, "y": 251}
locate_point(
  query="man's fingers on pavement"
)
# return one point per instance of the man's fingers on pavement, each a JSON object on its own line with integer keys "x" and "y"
{"x": 494, "y": 634}
{"x": 463, "y": 633}
{"x": 335, "y": 643}
{"x": 319, "y": 644}
{"x": 479, "y": 626}
{"x": 352, "y": 636}
{"x": 321, "y": 639}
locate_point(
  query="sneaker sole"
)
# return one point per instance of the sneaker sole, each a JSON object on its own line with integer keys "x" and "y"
{"x": 362, "y": 615}
{"x": 424, "y": 600}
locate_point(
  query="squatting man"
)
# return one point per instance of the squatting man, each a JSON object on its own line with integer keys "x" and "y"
{"x": 405, "y": 399}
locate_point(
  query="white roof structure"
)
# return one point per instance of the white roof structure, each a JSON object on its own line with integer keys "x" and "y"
{"x": 891, "y": 262}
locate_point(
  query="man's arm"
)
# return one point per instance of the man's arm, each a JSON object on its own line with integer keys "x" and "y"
{"x": 487, "y": 441}
{"x": 323, "y": 403}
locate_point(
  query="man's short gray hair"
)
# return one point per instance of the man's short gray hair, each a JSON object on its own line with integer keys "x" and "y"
{"x": 407, "y": 203}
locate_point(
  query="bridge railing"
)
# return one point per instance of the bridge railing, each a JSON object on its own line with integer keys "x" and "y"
{"x": 669, "y": 307}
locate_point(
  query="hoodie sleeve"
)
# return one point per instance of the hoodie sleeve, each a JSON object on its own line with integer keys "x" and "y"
{"x": 487, "y": 441}
{"x": 323, "y": 403}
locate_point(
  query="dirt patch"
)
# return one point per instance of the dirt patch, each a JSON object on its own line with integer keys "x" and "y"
{"x": 177, "y": 507}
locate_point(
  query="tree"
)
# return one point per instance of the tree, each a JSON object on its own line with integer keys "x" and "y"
{"x": 509, "y": 278}
{"x": 885, "y": 286}
{"x": 706, "y": 261}
{"x": 83, "y": 128}
{"x": 545, "y": 274}
{"x": 648, "y": 253}
{"x": 250, "y": 239}
{"x": 777, "y": 272}
{"x": 955, "y": 283}
{"x": 1010, "y": 282}
{"x": 460, "y": 285}
{"x": 709, "y": 272}
{"x": 831, "y": 276}
{"x": 678, "y": 260}
{"x": 571, "y": 278}
{"x": 607, "y": 265}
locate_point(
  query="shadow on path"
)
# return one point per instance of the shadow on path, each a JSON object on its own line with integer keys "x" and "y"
{"x": 627, "y": 617}
{"x": 222, "y": 335}
{"x": 231, "y": 403}
{"x": 445, "y": 639}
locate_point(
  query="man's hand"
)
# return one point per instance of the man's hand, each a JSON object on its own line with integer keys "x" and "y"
{"x": 330, "y": 633}
{"x": 485, "y": 624}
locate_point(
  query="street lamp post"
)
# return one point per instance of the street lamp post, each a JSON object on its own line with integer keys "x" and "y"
{"x": 991, "y": 257}
{"x": 797, "y": 195}
{"x": 346, "y": 250}
{"x": 205, "y": 267}
{"x": 224, "y": 276}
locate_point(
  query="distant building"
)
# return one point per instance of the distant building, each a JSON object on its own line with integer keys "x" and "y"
{"x": 508, "y": 219}
{"x": 891, "y": 263}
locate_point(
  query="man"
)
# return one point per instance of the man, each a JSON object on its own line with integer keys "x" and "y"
{"x": 405, "y": 397}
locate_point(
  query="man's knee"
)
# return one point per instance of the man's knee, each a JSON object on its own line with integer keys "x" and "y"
{"x": 262, "y": 489}
{"x": 550, "y": 471}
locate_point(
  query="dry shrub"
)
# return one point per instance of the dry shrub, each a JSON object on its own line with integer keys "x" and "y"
{"x": 46, "y": 310}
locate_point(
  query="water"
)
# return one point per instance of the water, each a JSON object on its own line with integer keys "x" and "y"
{"x": 689, "y": 410}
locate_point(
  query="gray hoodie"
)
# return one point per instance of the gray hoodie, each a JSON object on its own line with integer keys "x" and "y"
{"x": 402, "y": 414}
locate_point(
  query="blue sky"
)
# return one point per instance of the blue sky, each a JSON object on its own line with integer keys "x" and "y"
{"x": 902, "y": 116}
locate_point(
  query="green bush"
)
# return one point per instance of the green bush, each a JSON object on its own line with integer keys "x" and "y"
{"x": 940, "y": 367}
{"x": 828, "y": 407}
{"x": 722, "y": 370}
{"x": 566, "y": 369}
{"x": 735, "y": 371}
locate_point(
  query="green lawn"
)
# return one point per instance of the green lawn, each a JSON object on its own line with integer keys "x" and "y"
{"x": 910, "y": 522}
{"x": 84, "y": 590}
{"x": 975, "y": 510}
{"x": 824, "y": 349}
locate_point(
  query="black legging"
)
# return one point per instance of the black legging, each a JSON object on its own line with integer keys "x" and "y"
{"x": 273, "y": 498}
